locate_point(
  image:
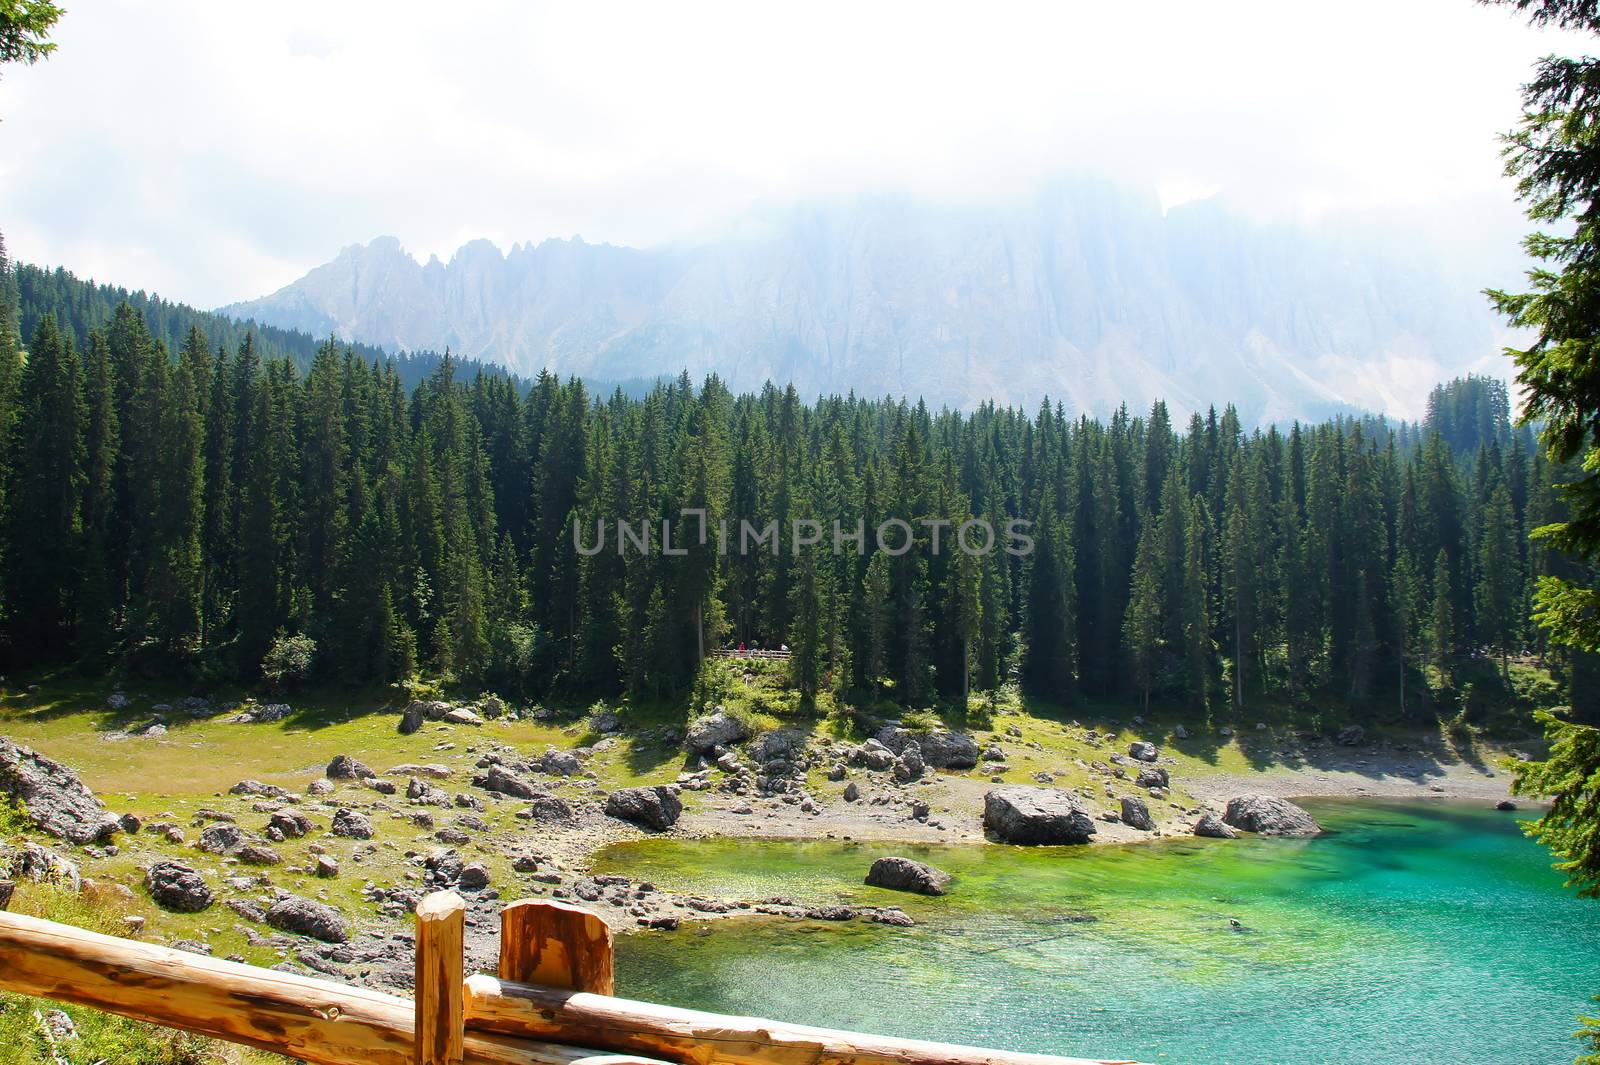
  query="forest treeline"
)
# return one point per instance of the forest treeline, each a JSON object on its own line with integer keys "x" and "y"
{"x": 177, "y": 512}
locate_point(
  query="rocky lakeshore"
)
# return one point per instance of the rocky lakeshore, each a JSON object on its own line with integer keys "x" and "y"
{"x": 319, "y": 870}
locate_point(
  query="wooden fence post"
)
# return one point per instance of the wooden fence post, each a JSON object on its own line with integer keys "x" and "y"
{"x": 555, "y": 944}
{"x": 441, "y": 1024}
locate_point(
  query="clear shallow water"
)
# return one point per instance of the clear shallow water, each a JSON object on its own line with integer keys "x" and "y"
{"x": 1410, "y": 933}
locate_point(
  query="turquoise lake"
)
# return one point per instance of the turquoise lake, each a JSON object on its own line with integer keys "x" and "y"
{"x": 1408, "y": 933}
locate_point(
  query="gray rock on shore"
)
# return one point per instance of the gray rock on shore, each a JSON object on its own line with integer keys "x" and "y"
{"x": 56, "y": 800}
{"x": 1214, "y": 827}
{"x": 1135, "y": 814}
{"x": 656, "y": 808}
{"x": 904, "y": 874}
{"x": 1020, "y": 814}
{"x": 1267, "y": 815}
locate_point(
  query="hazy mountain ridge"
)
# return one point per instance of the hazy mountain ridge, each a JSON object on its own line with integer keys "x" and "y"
{"x": 1089, "y": 296}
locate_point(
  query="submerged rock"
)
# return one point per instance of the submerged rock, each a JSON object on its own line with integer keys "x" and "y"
{"x": 1020, "y": 814}
{"x": 903, "y": 874}
{"x": 1267, "y": 815}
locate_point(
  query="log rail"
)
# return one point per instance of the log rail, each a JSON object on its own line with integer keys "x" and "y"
{"x": 552, "y": 1003}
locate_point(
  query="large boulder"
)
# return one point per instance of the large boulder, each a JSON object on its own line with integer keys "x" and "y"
{"x": 1213, "y": 826}
{"x": 176, "y": 887}
{"x": 940, "y": 749}
{"x": 903, "y": 874}
{"x": 1020, "y": 814}
{"x": 716, "y": 729}
{"x": 1135, "y": 814}
{"x": 1144, "y": 751}
{"x": 1267, "y": 815}
{"x": 948, "y": 750}
{"x": 302, "y": 916}
{"x": 411, "y": 718}
{"x": 462, "y": 716}
{"x": 656, "y": 808}
{"x": 55, "y": 799}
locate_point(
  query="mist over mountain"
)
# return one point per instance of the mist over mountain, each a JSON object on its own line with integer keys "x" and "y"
{"x": 1087, "y": 295}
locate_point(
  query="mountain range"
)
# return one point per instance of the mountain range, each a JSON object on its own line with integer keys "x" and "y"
{"x": 1088, "y": 295}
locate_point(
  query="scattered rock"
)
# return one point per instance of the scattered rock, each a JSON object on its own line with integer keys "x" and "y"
{"x": 131, "y": 823}
{"x": 474, "y": 877}
{"x": 1153, "y": 776}
{"x": 1351, "y": 736}
{"x": 1268, "y": 815}
{"x": 176, "y": 887}
{"x": 560, "y": 763}
{"x": 30, "y": 861}
{"x": 1505, "y": 804}
{"x": 655, "y": 808}
{"x": 290, "y": 824}
{"x": 259, "y": 854}
{"x": 351, "y": 824}
{"x": 462, "y": 716}
{"x": 302, "y": 916}
{"x": 903, "y": 874}
{"x": 1135, "y": 814}
{"x": 327, "y": 866}
{"x": 1144, "y": 751}
{"x": 221, "y": 838}
{"x": 55, "y": 799}
{"x": 851, "y": 792}
{"x": 1019, "y": 814}
{"x": 502, "y": 780}
{"x": 343, "y": 767}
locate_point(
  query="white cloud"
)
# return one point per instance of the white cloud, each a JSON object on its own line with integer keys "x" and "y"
{"x": 216, "y": 151}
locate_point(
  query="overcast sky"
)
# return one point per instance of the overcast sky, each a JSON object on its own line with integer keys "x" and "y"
{"x": 214, "y": 152}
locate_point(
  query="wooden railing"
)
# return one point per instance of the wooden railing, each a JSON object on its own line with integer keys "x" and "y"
{"x": 551, "y": 1004}
{"x": 734, "y": 652}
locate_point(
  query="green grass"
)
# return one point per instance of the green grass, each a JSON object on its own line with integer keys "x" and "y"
{"x": 101, "y": 1036}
